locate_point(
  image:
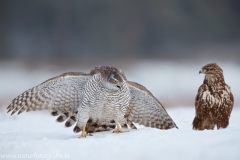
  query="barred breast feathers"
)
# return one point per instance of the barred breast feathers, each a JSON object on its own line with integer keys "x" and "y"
{"x": 98, "y": 96}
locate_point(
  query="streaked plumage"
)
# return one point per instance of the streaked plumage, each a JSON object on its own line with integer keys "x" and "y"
{"x": 214, "y": 100}
{"x": 97, "y": 100}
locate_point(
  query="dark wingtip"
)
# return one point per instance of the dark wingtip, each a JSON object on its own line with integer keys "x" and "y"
{"x": 76, "y": 129}
{"x": 68, "y": 124}
{"x": 54, "y": 113}
{"x": 73, "y": 118}
{"x": 60, "y": 119}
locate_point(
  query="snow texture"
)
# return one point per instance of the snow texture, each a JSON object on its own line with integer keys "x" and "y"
{"x": 38, "y": 133}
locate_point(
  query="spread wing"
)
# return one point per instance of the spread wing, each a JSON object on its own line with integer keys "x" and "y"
{"x": 60, "y": 94}
{"x": 146, "y": 110}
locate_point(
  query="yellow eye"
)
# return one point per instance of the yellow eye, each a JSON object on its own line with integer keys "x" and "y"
{"x": 114, "y": 81}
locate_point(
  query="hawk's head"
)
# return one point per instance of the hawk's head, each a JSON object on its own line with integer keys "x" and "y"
{"x": 113, "y": 77}
{"x": 211, "y": 69}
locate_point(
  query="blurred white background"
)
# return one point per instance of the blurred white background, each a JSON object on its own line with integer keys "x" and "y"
{"x": 174, "y": 83}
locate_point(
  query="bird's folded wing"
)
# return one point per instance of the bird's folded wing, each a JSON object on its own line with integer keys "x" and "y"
{"x": 61, "y": 93}
{"x": 203, "y": 101}
{"x": 146, "y": 110}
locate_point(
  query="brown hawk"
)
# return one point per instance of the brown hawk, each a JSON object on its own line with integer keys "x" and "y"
{"x": 214, "y": 100}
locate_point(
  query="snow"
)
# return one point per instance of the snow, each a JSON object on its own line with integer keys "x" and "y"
{"x": 38, "y": 133}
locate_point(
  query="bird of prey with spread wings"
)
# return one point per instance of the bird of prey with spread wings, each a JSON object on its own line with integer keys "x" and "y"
{"x": 95, "y": 102}
{"x": 214, "y": 100}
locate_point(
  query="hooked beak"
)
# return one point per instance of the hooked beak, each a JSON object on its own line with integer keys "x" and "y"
{"x": 200, "y": 71}
{"x": 120, "y": 87}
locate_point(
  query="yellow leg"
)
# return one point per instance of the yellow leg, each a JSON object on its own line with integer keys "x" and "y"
{"x": 84, "y": 133}
{"x": 119, "y": 129}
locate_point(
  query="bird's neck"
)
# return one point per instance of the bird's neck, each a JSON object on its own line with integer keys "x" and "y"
{"x": 215, "y": 82}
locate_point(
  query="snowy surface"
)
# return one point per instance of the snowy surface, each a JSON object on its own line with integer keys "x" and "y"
{"x": 38, "y": 133}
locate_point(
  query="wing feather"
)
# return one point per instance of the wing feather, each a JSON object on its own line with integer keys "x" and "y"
{"x": 146, "y": 110}
{"x": 61, "y": 93}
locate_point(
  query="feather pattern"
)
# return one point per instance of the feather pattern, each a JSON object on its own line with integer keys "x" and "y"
{"x": 95, "y": 100}
{"x": 101, "y": 103}
{"x": 214, "y": 100}
{"x": 62, "y": 93}
{"x": 146, "y": 110}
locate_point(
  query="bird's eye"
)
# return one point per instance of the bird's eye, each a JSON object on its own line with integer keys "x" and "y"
{"x": 207, "y": 69}
{"x": 114, "y": 81}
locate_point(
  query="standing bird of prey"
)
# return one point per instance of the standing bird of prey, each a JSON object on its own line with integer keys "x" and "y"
{"x": 104, "y": 96}
{"x": 214, "y": 100}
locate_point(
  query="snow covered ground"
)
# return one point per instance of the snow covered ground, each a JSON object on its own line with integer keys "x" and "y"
{"x": 37, "y": 133}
